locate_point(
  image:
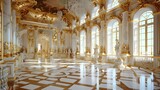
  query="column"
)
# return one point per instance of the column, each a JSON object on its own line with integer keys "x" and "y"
{"x": 156, "y": 37}
{"x": 7, "y": 26}
{"x": 74, "y": 44}
{"x": 14, "y": 30}
{"x": 125, "y": 37}
{"x": 102, "y": 41}
{"x": 36, "y": 40}
{"x": 125, "y": 26}
{"x": 88, "y": 40}
{"x": 78, "y": 44}
{"x": 58, "y": 46}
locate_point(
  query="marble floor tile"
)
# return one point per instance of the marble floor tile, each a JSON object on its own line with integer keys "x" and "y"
{"x": 132, "y": 85}
{"x": 80, "y": 87}
{"x": 39, "y": 77}
{"x": 88, "y": 81}
{"x": 74, "y": 77}
{"x": 63, "y": 84}
{"x": 33, "y": 79}
{"x": 23, "y": 82}
{"x": 128, "y": 79}
{"x": 28, "y": 75}
{"x": 67, "y": 77}
{"x": 37, "y": 73}
{"x": 68, "y": 80}
{"x": 110, "y": 87}
{"x": 45, "y": 82}
{"x": 52, "y": 88}
{"x": 30, "y": 87}
{"x": 23, "y": 78}
{"x": 52, "y": 79}
{"x": 109, "y": 81}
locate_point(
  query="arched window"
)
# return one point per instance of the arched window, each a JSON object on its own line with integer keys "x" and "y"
{"x": 82, "y": 43}
{"x": 143, "y": 37}
{"x": 111, "y": 4}
{"x": 95, "y": 39}
{"x": 112, "y": 35}
{"x": 95, "y": 12}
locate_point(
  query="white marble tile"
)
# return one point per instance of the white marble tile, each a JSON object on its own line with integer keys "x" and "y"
{"x": 78, "y": 74}
{"x": 128, "y": 79}
{"x": 30, "y": 87}
{"x": 132, "y": 85}
{"x": 88, "y": 81}
{"x": 63, "y": 84}
{"x": 76, "y": 77}
{"x": 68, "y": 80}
{"x": 109, "y": 81}
{"x": 52, "y": 79}
{"x": 33, "y": 79}
{"x": 127, "y": 74}
{"x": 45, "y": 82}
{"x": 21, "y": 72}
{"x": 28, "y": 75}
{"x": 37, "y": 73}
{"x": 110, "y": 87}
{"x": 80, "y": 87}
{"x": 23, "y": 78}
{"x": 23, "y": 82}
{"x": 40, "y": 77}
{"x": 52, "y": 88}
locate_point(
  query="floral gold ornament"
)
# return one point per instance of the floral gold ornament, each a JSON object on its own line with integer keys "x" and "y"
{"x": 125, "y": 49}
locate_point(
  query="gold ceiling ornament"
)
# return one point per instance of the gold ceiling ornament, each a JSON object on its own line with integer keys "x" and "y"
{"x": 125, "y": 5}
{"x": 41, "y": 16}
{"x": 23, "y": 4}
{"x": 157, "y": 5}
{"x": 102, "y": 16}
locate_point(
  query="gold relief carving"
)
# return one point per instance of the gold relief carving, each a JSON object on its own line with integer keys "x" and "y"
{"x": 125, "y": 49}
{"x": 157, "y": 5}
{"x": 125, "y": 6}
{"x": 87, "y": 50}
{"x": 31, "y": 38}
{"x": 19, "y": 5}
{"x": 11, "y": 47}
{"x": 102, "y": 16}
{"x": 6, "y": 46}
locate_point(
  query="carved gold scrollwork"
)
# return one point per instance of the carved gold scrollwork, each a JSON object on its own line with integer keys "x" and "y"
{"x": 125, "y": 6}
{"x": 157, "y": 4}
{"x": 19, "y": 5}
{"x": 125, "y": 49}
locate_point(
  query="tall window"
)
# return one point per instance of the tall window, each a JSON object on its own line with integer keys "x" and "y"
{"x": 144, "y": 35}
{"x": 112, "y": 3}
{"x": 95, "y": 39}
{"x": 112, "y": 35}
{"x": 82, "y": 43}
{"x": 95, "y": 12}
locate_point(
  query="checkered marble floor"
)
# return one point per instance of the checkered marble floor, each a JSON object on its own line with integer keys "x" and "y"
{"x": 80, "y": 76}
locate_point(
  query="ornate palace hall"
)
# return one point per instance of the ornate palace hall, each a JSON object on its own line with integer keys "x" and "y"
{"x": 79, "y": 44}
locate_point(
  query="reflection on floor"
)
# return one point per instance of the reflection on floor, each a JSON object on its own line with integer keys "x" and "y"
{"x": 83, "y": 76}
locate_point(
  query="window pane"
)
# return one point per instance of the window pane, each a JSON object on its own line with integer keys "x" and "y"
{"x": 142, "y": 37}
{"x": 150, "y": 35}
{"x": 142, "y": 50}
{"x": 150, "y": 21}
{"x": 150, "y": 42}
{"x": 142, "y": 22}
